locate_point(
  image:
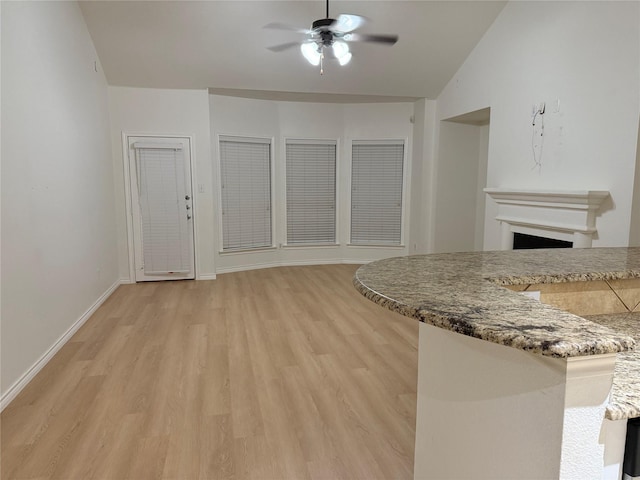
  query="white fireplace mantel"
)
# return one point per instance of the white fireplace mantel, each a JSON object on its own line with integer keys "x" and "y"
{"x": 568, "y": 215}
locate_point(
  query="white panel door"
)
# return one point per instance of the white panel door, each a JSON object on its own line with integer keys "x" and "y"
{"x": 162, "y": 208}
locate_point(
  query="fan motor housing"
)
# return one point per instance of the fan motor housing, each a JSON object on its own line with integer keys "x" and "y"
{"x": 322, "y": 28}
{"x": 322, "y": 24}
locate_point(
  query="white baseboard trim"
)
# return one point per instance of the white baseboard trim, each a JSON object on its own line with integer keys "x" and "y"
{"x": 207, "y": 276}
{"x": 257, "y": 266}
{"x": 22, "y": 382}
{"x": 126, "y": 281}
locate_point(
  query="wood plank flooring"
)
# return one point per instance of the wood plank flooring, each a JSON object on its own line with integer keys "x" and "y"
{"x": 282, "y": 373}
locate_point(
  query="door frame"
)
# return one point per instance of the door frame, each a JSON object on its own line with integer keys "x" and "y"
{"x": 128, "y": 200}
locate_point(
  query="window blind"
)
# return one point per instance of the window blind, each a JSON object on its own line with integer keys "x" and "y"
{"x": 376, "y": 192}
{"x": 311, "y": 192}
{"x": 245, "y": 165}
{"x": 166, "y": 241}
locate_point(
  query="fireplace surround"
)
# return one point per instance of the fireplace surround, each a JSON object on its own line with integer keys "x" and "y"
{"x": 567, "y": 215}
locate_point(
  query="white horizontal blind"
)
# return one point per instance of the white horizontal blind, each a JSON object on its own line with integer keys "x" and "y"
{"x": 376, "y": 192}
{"x": 166, "y": 243}
{"x": 311, "y": 192}
{"x": 245, "y": 165}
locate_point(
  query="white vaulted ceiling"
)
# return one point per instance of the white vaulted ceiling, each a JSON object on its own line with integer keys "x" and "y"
{"x": 221, "y": 45}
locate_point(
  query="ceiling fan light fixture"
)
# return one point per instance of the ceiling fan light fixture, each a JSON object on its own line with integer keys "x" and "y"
{"x": 310, "y": 51}
{"x": 328, "y": 33}
{"x": 340, "y": 49}
{"x": 345, "y": 59}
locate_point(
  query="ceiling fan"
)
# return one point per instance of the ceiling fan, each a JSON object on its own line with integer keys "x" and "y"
{"x": 328, "y": 37}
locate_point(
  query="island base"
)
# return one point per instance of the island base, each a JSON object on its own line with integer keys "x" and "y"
{"x": 489, "y": 411}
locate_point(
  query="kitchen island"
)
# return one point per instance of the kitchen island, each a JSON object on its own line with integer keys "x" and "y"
{"x": 508, "y": 386}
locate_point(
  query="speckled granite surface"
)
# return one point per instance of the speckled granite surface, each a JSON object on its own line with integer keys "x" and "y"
{"x": 462, "y": 292}
{"x": 625, "y": 394}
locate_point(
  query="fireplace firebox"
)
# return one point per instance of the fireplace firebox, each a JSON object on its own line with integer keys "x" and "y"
{"x": 522, "y": 241}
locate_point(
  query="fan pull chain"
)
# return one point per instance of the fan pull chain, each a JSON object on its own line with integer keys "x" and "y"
{"x": 322, "y": 62}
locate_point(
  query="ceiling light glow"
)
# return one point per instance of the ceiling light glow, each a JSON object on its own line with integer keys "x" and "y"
{"x": 340, "y": 49}
{"x": 310, "y": 51}
{"x": 345, "y": 59}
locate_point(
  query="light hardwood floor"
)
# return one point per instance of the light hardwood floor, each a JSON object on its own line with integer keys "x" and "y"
{"x": 282, "y": 373}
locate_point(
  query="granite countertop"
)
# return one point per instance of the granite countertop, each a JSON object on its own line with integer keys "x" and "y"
{"x": 625, "y": 393}
{"x": 463, "y": 292}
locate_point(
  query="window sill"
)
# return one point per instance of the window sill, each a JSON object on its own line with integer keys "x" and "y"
{"x": 237, "y": 251}
{"x": 310, "y": 245}
{"x": 381, "y": 245}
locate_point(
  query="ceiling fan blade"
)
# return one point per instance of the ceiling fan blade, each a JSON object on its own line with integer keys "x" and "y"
{"x": 289, "y": 28}
{"x": 363, "y": 37}
{"x": 283, "y": 46}
{"x": 346, "y": 23}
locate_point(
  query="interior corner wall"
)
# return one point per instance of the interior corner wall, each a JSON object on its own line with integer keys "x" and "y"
{"x": 418, "y": 223}
{"x": 483, "y": 160}
{"x": 59, "y": 253}
{"x": 422, "y": 177}
{"x": 281, "y": 120}
{"x": 634, "y": 233}
{"x": 456, "y": 191}
{"x": 150, "y": 111}
{"x": 581, "y": 59}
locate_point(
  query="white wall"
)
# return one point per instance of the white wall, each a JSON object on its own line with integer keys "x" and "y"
{"x": 460, "y": 171}
{"x": 423, "y": 177}
{"x": 483, "y": 161}
{"x": 587, "y": 56}
{"x": 58, "y": 221}
{"x": 166, "y": 112}
{"x": 281, "y": 120}
{"x": 417, "y": 239}
{"x": 634, "y": 234}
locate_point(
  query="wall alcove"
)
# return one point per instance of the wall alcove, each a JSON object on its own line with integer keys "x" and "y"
{"x": 462, "y": 175}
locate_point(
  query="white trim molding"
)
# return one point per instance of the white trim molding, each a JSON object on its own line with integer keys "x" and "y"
{"x": 206, "y": 276}
{"x": 258, "y": 266}
{"x": 568, "y": 215}
{"x": 22, "y": 382}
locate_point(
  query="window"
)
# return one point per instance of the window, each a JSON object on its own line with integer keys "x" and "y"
{"x": 311, "y": 192}
{"x": 376, "y": 192}
{"x": 245, "y": 168}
